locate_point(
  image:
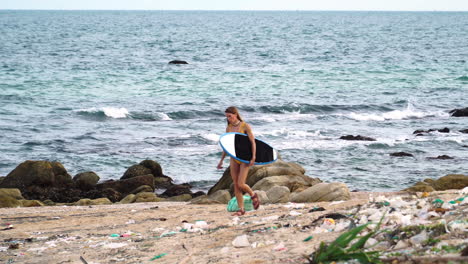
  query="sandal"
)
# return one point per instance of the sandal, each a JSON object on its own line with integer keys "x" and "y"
{"x": 255, "y": 201}
{"x": 239, "y": 213}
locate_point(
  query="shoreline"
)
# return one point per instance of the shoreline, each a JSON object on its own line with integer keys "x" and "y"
{"x": 153, "y": 232}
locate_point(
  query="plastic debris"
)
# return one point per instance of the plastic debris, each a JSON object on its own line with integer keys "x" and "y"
{"x": 129, "y": 222}
{"x": 280, "y": 247}
{"x": 158, "y": 256}
{"x": 115, "y": 245}
{"x": 294, "y": 213}
{"x": 316, "y": 209}
{"x": 241, "y": 241}
{"x": 308, "y": 238}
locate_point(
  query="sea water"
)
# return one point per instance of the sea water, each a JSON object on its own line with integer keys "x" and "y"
{"x": 94, "y": 91}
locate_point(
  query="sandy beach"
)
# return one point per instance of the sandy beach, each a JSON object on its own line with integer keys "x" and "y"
{"x": 179, "y": 232}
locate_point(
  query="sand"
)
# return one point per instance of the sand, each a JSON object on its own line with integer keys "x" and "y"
{"x": 139, "y": 233}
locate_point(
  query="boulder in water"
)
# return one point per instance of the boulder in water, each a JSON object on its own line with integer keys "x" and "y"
{"x": 459, "y": 112}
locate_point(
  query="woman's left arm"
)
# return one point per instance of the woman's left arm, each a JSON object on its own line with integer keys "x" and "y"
{"x": 251, "y": 136}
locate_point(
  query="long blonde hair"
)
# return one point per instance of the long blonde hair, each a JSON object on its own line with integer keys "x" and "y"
{"x": 233, "y": 110}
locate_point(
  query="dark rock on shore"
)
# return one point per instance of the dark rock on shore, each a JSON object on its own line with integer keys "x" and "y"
{"x": 37, "y": 173}
{"x": 401, "y": 154}
{"x": 358, "y": 137}
{"x": 126, "y": 186}
{"x": 177, "y": 189}
{"x": 149, "y": 167}
{"x": 178, "y": 62}
{"x": 447, "y": 182}
{"x": 441, "y": 157}
{"x": 465, "y": 131}
{"x": 443, "y": 130}
{"x": 86, "y": 180}
{"x": 459, "y": 112}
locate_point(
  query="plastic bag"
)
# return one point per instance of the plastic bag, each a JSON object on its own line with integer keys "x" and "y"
{"x": 232, "y": 204}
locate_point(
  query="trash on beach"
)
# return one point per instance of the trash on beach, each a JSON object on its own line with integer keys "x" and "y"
{"x": 241, "y": 241}
{"x": 294, "y": 205}
{"x": 158, "y": 256}
{"x": 316, "y": 209}
{"x": 8, "y": 226}
{"x": 233, "y": 207}
{"x": 280, "y": 247}
{"x": 129, "y": 222}
{"x": 168, "y": 233}
{"x": 115, "y": 245}
{"x": 308, "y": 238}
{"x": 270, "y": 218}
{"x": 294, "y": 213}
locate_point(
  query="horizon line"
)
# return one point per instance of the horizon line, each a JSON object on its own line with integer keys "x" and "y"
{"x": 236, "y": 10}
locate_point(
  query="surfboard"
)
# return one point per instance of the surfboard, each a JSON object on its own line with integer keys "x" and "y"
{"x": 238, "y": 146}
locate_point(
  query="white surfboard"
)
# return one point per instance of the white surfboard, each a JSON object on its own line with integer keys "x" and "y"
{"x": 238, "y": 146}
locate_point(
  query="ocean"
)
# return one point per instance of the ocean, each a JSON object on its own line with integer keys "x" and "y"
{"x": 94, "y": 91}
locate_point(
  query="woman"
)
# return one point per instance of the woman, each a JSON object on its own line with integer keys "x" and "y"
{"x": 239, "y": 170}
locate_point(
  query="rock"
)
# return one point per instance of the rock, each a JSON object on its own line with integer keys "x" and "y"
{"x": 203, "y": 199}
{"x": 48, "y": 203}
{"x": 128, "y": 199}
{"x": 221, "y": 196}
{"x": 8, "y": 201}
{"x": 441, "y": 157}
{"x": 257, "y": 173}
{"x": 451, "y": 181}
{"x": 400, "y": 245}
{"x": 448, "y": 182}
{"x": 126, "y": 186}
{"x": 278, "y": 194}
{"x": 136, "y": 170}
{"x": 177, "y": 189}
{"x": 86, "y": 180}
{"x": 263, "y": 197}
{"x": 459, "y": 112}
{"x": 162, "y": 182}
{"x": 99, "y": 201}
{"x": 11, "y": 192}
{"x": 292, "y": 182}
{"x": 180, "y": 198}
{"x": 241, "y": 241}
{"x": 56, "y": 194}
{"x": 420, "y": 187}
{"x": 358, "y": 137}
{"x": 178, "y": 62}
{"x": 31, "y": 203}
{"x": 465, "y": 131}
{"x": 154, "y": 167}
{"x": 37, "y": 173}
{"x": 143, "y": 188}
{"x": 146, "y": 197}
{"x": 83, "y": 202}
{"x": 401, "y": 154}
{"x": 322, "y": 192}
{"x": 199, "y": 193}
{"x": 110, "y": 194}
{"x": 443, "y": 130}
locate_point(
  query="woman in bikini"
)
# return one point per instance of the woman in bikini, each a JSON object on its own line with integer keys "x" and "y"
{"x": 239, "y": 170}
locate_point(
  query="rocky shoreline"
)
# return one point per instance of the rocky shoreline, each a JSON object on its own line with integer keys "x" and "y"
{"x": 124, "y": 221}
{"x": 39, "y": 183}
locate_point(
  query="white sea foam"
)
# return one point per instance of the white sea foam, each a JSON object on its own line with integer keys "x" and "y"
{"x": 115, "y": 112}
{"x": 164, "y": 116}
{"x": 211, "y": 137}
{"x": 409, "y": 113}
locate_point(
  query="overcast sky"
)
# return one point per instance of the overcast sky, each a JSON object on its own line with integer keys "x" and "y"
{"x": 392, "y": 5}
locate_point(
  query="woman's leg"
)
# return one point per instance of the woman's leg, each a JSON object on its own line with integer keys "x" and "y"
{"x": 235, "y": 168}
{"x": 243, "y": 172}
